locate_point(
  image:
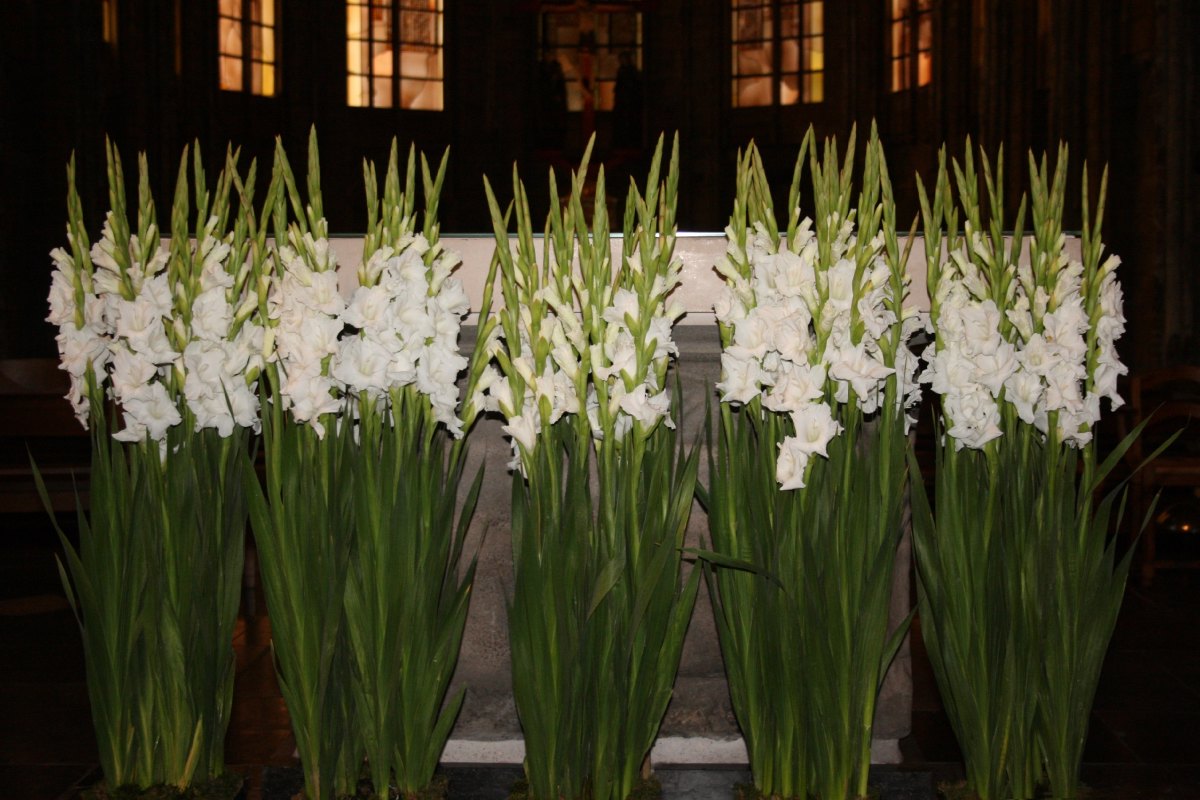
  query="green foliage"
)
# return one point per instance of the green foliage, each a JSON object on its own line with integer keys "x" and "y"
{"x": 155, "y": 581}
{"x": 155, "y": 586}
{"x": 1020, "y": 579}
{"x": 599, "y": 606}
{"x": 303, "y": 515}
{"x": 801, "y": 580}
{"x": 406, "y": 602}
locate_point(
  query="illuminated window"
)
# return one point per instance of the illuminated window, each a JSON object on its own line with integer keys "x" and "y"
{"x": 248, "y": 43}
{"x": 778, "y": 52}
{"x": 394, "y": 54}
{"x": 589, "y": 47}
{"x": 108, "y": 17}
{"x": 911, "y": 56}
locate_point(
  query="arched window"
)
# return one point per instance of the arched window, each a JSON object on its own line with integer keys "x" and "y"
{"x": 778, "y": 53}
{"x": 394, "y": 54}
{"x": 910, "y": 36}
{"x": 248, "y": 46}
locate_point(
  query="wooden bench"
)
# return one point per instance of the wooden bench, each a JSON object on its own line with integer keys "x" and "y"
{"x": 36, "y": 420}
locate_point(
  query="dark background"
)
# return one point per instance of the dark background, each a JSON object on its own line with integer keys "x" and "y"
{"x": 1116, "y": 79}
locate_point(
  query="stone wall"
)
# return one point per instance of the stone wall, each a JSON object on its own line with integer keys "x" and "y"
{"x": 700, "y": 726}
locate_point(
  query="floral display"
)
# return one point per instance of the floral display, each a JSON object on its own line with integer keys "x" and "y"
{"x": 793, "y": 327}
{"x": 1018, "y": 548}
{"x": 602, "y": 490}
{"x": 241, "y": 323}
{"x": 164, "y": 332}
{"x": 807, "y": 475}
{"x": 161, "y": 325}
{"x": 358, "y": 522}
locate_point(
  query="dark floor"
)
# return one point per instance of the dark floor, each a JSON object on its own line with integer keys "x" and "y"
{"x": 1145, "y": 730}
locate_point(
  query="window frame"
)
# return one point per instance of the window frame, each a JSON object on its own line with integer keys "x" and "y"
{"x": 903, "y": 32}
{"x": 393, "y": 38}
{"x": 598, "y": 48}
{"x": 809, "y": 40}
{"x": 246, "y": 58}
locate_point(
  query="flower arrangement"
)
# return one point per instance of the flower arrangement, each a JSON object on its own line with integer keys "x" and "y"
{"x": 357, "y": 519}
{"x": 599, "y": 606}
{"x": 1020, "y": 581}
{"x": 406, "y": 602}
{"x": 808, "y": 472}
{"x": 164, "y": 333}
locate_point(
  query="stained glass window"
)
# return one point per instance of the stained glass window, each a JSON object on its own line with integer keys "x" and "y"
{"x": 910, "y": 43}
{"x": 394, "y": 54}
{"x": 248, "y": 46}
{"x": 589, "y": 47}
{"x": 778, "y": 52}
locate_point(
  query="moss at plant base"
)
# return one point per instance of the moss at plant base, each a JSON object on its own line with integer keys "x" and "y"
{"x": 436, "y": 790}
{"x": 748, "y": 791}
{"x": 227, "y": 787}
{"x": 958, "y": 790}
{"x": 646, "y": 789}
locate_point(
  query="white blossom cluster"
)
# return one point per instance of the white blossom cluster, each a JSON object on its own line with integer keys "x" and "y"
{"x": 803, "y": 337}
{"x": 549, "y": 393}
{"x": 224, "y": 353}
{"x": 1034, "y": 354}
{"x": 85, "y": 328}
{"x": 399, "y": 328}
{"x": 621, "y": 358}
{"x": 618, "y": 362}
{"x": 146, "y": 350}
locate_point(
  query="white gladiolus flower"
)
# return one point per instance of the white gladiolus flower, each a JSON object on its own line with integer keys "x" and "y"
{"x": 1040, "y": 356}
{"x": 622, "y": 357}
{"x": 439, "y": 367}
{"x": 815, "y": 427}
{"x": 211, "y": 315}
{"x": 647, "y": 409}
{"x": 502, "y": 398}
{"x": 981, "y": 328}
{"x": 976, "y": 418}
{"x": 453, "y": 299}
{"x": 854, "y": 366}
{"x": 804, "y": 334}
{"x": 790, "y": 465}
{"x": 741, "y": 379}
{"x": 660, "y": 332}
{"x": 62, "y": 299}
{"x": 729, "y": 308}
{"x": 1039, "y": 363}
{"x": 524, "y": 429}
{"x": 81, "y": 347}
{"x": 361, "y": 365}
{"x": 130, "y": 371}
{"x": 793, "y": 340}
{"x": 993, "y": 369}
{"x": 840, "y": 285}
{"x": 1024, "y": 390}
{"x": 754, "y": 335}
{"x": 1065, "y": 326}
{"x": 796, "y": 387}
{"x": 149, "y": 411}
{"x": 1108, "y": 369}
{"x": 368, "y": 309}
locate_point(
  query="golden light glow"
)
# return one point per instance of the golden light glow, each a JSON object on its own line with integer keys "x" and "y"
{"x": 108, "y": 18}
{"x": 778, "y": 52}
{"x": 247, "y": 44}
{"x": 909, "y": 51}
{"x": 390, "y": 48}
